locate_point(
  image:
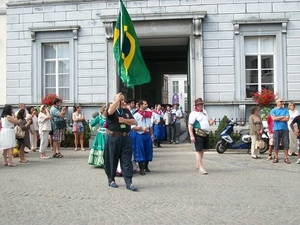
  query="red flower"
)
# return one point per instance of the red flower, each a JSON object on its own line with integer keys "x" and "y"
{"x": 48, "y": 99}
{"x": 264, "y": 98}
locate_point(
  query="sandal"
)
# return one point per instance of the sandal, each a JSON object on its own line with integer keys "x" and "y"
{"x": 23, "y": 161}
{"x": 11, "y": 165}
{"x": 275, "y": 160}
{"x": 56, "y": 155}
{"x": 287, "y": 161}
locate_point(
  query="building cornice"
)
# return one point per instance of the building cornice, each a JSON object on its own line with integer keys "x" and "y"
{"x": 44, "y": 2}
{"x": 282, "y": 21}
{"x": 196, "y": 17}
{"x": 34, "y": 30}
{"x": 157, "y": 16}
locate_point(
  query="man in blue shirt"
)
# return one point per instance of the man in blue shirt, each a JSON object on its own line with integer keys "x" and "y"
{"x": 280, "y": 116}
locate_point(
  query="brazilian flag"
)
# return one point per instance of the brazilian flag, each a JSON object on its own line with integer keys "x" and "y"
{"x": 131, "y": 66}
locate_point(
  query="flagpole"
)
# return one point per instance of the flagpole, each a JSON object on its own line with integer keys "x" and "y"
{"x": 120, "y": 45}
{"x": 132, "y": 67}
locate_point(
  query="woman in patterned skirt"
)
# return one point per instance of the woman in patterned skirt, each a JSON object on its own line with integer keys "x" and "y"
{"x": 96, "y": 153}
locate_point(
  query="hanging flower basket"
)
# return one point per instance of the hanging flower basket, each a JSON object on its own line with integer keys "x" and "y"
{"x": 264, "y": 98}
{"x": 48, "y": 99}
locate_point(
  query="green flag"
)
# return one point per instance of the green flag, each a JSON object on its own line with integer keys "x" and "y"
{"x": 131, "y": 66}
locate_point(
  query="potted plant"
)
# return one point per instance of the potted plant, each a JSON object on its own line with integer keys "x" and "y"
{"x": 264, "y": 99}
{"x": 48, "y": 99}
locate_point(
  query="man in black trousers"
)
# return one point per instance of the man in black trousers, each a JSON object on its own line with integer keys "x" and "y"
{"x": 118, "y": 144}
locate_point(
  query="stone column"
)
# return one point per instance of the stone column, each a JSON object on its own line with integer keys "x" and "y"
{"x": 196, "y": 61}
{"x": 112, "y": 76}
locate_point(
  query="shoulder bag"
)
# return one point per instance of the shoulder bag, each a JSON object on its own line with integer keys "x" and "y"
{"x": 200, "y": 132}
{"x": 61, "y": 124}
{"x": 20, "y": 134}
{"x": 260, "y": 143}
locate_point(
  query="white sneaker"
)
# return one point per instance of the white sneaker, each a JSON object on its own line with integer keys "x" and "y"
{"x": 298, "y": 162}
{"x": 203, "y": 171}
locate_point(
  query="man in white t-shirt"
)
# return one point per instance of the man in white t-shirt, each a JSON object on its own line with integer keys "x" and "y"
{"x": 176, "y": 124}
{"x": 199, "y": 126}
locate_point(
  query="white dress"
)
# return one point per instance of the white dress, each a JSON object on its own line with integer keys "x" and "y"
{"x": 7, "y": 134}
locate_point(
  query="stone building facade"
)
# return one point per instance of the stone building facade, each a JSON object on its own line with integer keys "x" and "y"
{"x": 228, "y": 48}
{"x": 2, "y": 52}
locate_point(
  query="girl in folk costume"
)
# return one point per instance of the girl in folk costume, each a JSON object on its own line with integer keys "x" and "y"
{"x": 143, "y": 149}
{"x": 199, "y": 126}
{"x": 97, "y": 150}
{"x": 158, "y": 125}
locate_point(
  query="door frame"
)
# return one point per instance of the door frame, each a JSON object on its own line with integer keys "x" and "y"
{"x": 167, "y": 25}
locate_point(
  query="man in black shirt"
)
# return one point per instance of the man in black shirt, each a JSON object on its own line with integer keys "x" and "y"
{"x": 118, "y": 144}
{"x": 296, "y": 120}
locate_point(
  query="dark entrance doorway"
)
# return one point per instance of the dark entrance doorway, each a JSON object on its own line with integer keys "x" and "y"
{"x": 160, "y": 60}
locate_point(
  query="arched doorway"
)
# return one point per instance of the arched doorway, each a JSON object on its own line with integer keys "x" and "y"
{"x": 170, "y": 43}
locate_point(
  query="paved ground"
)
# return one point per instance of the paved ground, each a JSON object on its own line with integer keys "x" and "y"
{"x": 237, "y": 190}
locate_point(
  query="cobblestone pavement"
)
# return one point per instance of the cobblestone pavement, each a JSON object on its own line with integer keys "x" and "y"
{"x": 237, "y": 190}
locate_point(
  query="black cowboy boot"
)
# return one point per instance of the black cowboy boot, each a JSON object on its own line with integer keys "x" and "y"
{"x": 146, "y": 166}
{"x": 142, "y": 168}
{"x": 158, "y": 144}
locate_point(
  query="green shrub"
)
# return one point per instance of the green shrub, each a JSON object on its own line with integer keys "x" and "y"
{"x": 69, "y": 137}
{"x": 213, "y": 139}
{"x": 223, "y": 123}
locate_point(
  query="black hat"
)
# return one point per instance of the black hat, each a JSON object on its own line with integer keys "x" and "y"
{"x": 130, "y": 100}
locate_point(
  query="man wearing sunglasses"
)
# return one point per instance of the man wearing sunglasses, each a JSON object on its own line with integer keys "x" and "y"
{"x": 280, "y": 116}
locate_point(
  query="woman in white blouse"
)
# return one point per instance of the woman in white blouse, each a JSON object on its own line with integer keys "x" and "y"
{"x": 44, "y": 129}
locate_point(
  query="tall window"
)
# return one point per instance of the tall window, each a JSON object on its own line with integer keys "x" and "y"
{"x": 185, "y": 86}
{"x": 185, "y": 104}
{"x": 175, "y": 87}
{"x": 259, "y": 64}
{"x": 56, "y": 69}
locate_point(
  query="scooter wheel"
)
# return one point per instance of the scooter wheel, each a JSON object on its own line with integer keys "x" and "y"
{"x": 221, "y": 147}
{"x": 266, "y": 148}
